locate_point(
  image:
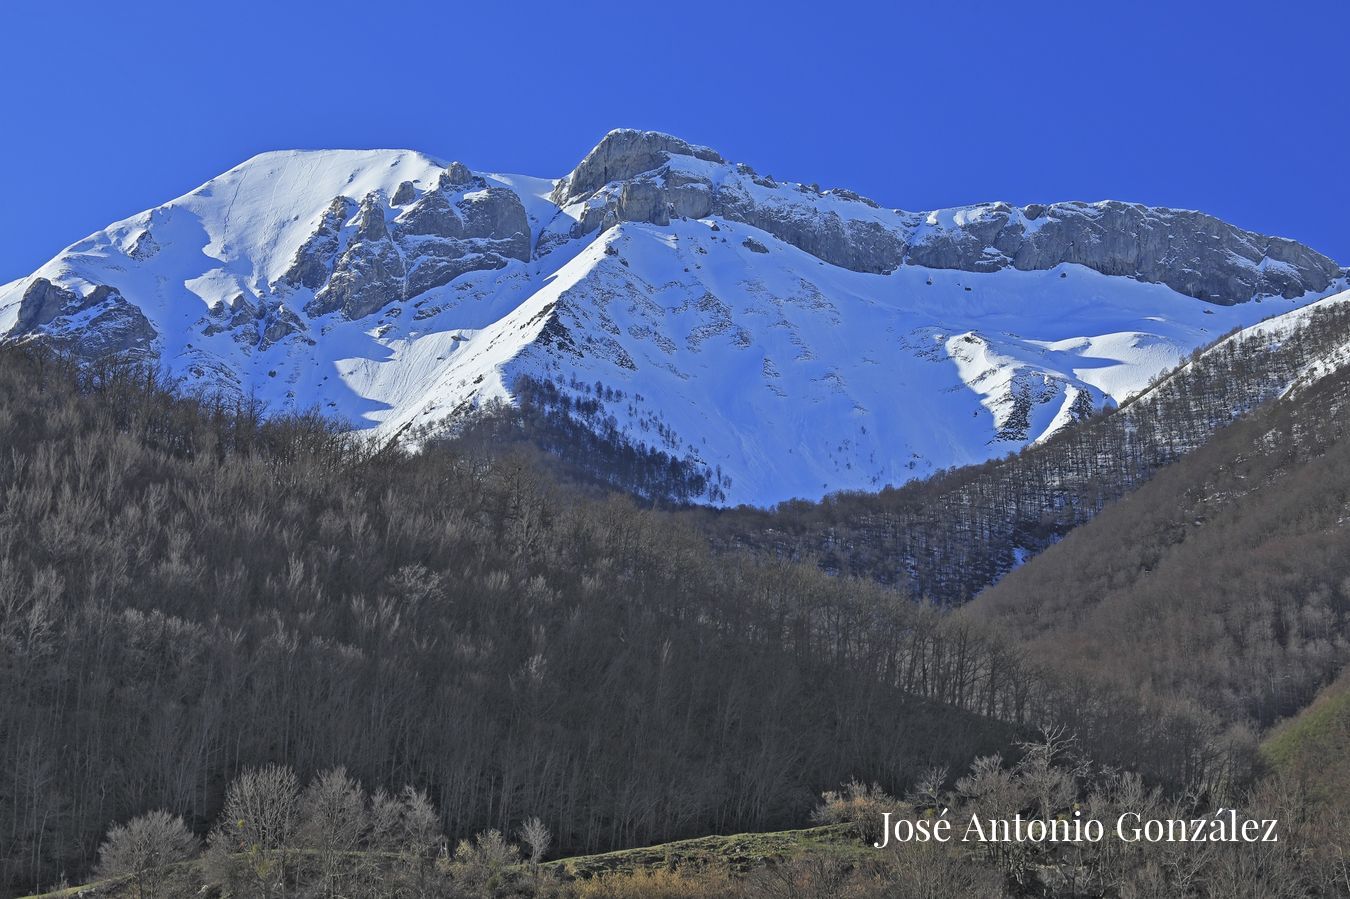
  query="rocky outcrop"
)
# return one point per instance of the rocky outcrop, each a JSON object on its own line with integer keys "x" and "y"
{"x": 657, "y": 197}
{"x": 457, "y": 175}
{"x": 238, "y": 317}
{"x": 860, "y": 244}
{"x": 460, "y": 226}
{"x": 143, "y": 247}
{"x": 101, "y": 323}
{"x": 314, "y": 260}
{"x": 279, "y": 323}
{"x": 636, "y": 176}
{"x": 1193, "y": 253}
{"x": 688, "y": 196}
{"x": 433, "y": 215}
{"x": 496, "y": 214}
{"x": 442, "y": 240}
{"x": 43, "y": 302}
{"x": 254, "y": 322}
{"x": 369, "y": 273}
{"x": 624, "y": 154}
{"x": 404, "y": 195}
{"x": 643, "y": 201}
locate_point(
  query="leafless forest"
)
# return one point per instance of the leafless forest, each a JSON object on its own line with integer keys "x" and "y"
{"x": 307, "y": 655}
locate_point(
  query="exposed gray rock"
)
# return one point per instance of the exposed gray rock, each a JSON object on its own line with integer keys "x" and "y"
{"x": 370, "y": 222}
{"x": 855, "y": 197}
{"x": 433, "y": 215}
{"x": 369, "y": 273}
{"x": 623, "y": 154}
{"x": 690, "y": 201}
{"x": 241, "y": 313}
{"x": 279, "y": 324}
{"x": 433, "y": 240}
{"x": 688, "y": 196}
{"x": 643, "y": 201}
{"x": 664, "y": 190}
{"x": 433, "y": 263}
{"x": 43, "y": 302}
{"x": 313, "y": 262}
{"x": 1193, "y": 253}
{"x": 630, "y": 176}
{"x": 108, "y": 324}
{"x": 494, "y": 213}
{"x": 655, "y": 198}
{"x": 144, "y": 246}
{"x": 858, "y": 244}
{"x": 457, "y": 174}
{"x": 442, "y": 241}
{"x": 821, "y": 235}
{"x": 497, "y": 214}
{"x": 596, "y": 216}
{"x": 253, "y": 322}
{"x": 118, "y": 328}
{"x": 405, "y": 194}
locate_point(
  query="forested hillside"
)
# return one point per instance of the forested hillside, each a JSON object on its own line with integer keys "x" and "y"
{"x": 947, "y": 537}
{"x": 1222, "y": 586}
{"x": 187, "y": 591}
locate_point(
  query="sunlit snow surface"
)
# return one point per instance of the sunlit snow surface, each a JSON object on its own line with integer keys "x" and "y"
{"x": 796, "y": 377}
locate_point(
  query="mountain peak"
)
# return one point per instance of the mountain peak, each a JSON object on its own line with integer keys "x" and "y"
{"x": 715, "y": 306}
{"x": 622, "y": 154}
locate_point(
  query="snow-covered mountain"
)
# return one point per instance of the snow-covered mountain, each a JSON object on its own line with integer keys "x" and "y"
{"x": 797, "y": 341}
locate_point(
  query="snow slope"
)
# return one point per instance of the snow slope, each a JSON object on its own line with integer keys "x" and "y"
{"x": 726, "y": 345}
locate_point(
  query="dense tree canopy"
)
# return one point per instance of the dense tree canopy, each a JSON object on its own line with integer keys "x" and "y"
{"x": 188, "y": 590}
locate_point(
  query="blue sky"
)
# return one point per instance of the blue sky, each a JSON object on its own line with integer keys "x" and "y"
{"x": 1239, "y": 109}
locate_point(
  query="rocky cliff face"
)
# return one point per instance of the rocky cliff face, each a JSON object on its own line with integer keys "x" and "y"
{"x": 403, "y": 246}
{"x": 1193, "y": 253}
{"x": 621, "y": 155}
{"x": 650, "y": 177}
{"x": 98, "y": 324}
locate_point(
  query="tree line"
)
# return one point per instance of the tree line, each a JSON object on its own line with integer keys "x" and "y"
{"x": 1048, "y": 822}
{"x": 1222, "y": 586}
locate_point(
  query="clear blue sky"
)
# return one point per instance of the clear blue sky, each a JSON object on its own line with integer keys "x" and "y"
{"x": 1241, "y": 109}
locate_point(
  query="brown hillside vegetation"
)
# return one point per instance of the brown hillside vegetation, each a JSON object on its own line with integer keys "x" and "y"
{"x": 189, "y": 593}
{"x": 947, "y": 537}
{"x": 186, "y": 591}
{"x": 1222, "y": 586}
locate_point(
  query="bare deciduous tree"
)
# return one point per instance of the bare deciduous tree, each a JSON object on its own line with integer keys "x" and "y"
{"x": 483, "y": 860}
{"x": 257, "y": 827}
{"x": 333, "y": 822}
{"x": 537, "y": 837}
{"x": 143, "y": 847}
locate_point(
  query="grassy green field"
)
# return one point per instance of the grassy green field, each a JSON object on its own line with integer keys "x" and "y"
{"x": 1314, "y": 746}
{"x": 739, "y": 852}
